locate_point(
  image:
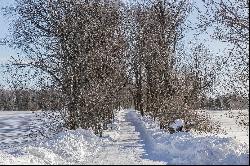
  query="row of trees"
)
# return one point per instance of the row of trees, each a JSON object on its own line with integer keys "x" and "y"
{"x": 164, "y": 88}
{"x": 225, "y": 102}
{"x": 98, "y": 55}
{"x": 23, "y": 99}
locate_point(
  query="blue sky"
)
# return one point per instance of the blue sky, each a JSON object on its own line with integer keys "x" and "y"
{"x": 6, "y": 52}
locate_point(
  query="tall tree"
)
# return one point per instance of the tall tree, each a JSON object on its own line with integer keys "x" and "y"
{"x": 79, "y": 44}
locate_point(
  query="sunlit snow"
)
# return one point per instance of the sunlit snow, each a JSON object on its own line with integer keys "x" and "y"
{"x": 132, "y": 140}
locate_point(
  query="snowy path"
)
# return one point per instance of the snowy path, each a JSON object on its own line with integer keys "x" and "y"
{"x": 127, "y": 146}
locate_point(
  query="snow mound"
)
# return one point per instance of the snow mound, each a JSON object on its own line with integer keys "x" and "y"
{"x": 188, "y": 147}
{"x": 69, "y": 147}
{"x": 177, "y": 123}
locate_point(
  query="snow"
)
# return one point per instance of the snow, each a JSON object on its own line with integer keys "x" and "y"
{"x": 188, "y": 147}
{"x": 132, "y": 140}
{"x": 229, "y": 124}
{"x": 177, "y": 123}
{"x": 14, "y": 127}
{"x": 66, "y": 148}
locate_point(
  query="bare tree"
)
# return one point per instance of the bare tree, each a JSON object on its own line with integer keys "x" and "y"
{"x": 230, "y": 22}
{"x": 78, "y": 44}
{"x": 157, "y": 28}
{"x": 161, "y": 89}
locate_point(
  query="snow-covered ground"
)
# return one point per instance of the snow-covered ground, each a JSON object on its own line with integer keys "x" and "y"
{"x": 14, "y": 127}
{"x": 228, "y": 123}
{"x": 133, "y": 140}
{"x": 189, "y": 148}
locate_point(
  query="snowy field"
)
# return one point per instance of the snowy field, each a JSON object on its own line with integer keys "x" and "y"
{"x": 228, "y": 123}
{"x": 133, "y": 140}
{"x": 14, "y": 127}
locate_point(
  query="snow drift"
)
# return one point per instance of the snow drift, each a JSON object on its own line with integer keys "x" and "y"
{"x": 188, "y": 147}
{"x": 69, "y": 147}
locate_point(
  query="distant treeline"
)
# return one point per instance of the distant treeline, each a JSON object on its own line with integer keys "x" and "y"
{"x": 30, "y": 99}
{"x": 225, "y": 102}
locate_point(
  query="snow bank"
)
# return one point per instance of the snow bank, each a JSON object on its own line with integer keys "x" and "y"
{"x": 187, "y": 147}
{"x": 177, "y": 123}
{"x": 69, "y": 147}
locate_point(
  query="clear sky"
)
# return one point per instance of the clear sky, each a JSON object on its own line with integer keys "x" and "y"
{"x": 6, "y": 52}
